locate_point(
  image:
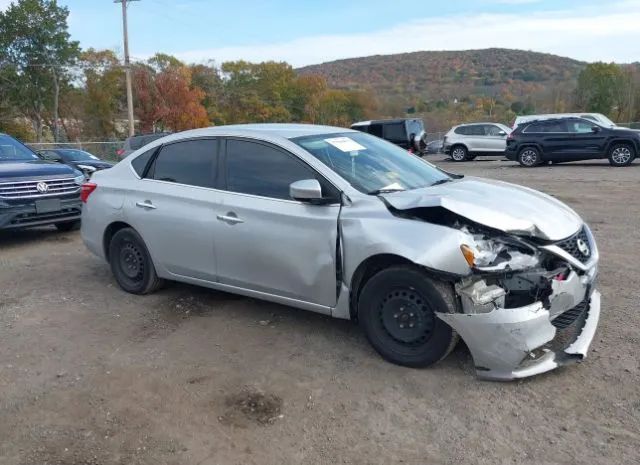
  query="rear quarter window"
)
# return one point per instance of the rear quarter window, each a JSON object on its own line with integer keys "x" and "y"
{"x": 141, "y": 162}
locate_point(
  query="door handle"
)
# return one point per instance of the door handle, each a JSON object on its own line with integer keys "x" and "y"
{"x": 146, "y": 204}
{"x": 230, "y": 218}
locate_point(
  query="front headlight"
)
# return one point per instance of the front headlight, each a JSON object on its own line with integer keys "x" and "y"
{"x": 488, "y": 254}
{"x": 80, "y": 179}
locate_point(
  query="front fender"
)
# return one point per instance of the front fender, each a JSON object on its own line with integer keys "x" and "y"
{"x": 371, "y": 230}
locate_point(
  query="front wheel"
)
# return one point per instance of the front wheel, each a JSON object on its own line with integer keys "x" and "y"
{"x": 529, "y": 157}
{"x": 131, "y": 263}
{"x": 459, "y": 153}
{"x": 397, "y": 308}
{"x": 621, "y": 155}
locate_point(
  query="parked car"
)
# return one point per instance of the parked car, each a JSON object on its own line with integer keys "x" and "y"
{"x": 435, "y": 146}
{"x": 598, "y": 118}
{"x": 34, "y": 192}
{"x": 406, "y": 133}
{"x": 571, "y": 139}
{"x": 326, "y": 219}
{"x": 466, "y": 141}
{"x": 79, "y": 159}
{"x": 133, "y": 143}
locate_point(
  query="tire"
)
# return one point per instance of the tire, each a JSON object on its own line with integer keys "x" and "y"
{"x": 67, "y": 226}
{"x": 529, "y": 157}
{"x": 621, "y": 155}
{"x": 459, "y": 153}
{"x": 131, "y": 263}
{"x": 471, "y": 156}
{"x": 397, "y": 311}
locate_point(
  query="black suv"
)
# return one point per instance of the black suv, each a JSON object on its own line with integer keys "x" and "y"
{"x": 34, "y": 192}
{"x": 571, "y": 139}
{"x": 406, "y": 133}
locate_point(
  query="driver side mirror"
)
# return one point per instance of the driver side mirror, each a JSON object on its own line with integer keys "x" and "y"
{"x": 595, "y": 128}
{"x": 502, "y": 133}
{"x": 306, "y": 190}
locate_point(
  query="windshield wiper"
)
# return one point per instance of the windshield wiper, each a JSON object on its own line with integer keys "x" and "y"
{"x": 441, "y": 181}
{"x": 384, "y": 191}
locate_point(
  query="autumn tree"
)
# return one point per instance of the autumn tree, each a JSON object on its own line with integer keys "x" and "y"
{"x": 600, "y": 88}
{"x": 166, "y": 98}
{"x": 35, "y": 53}
{"x": 103, "y": 93}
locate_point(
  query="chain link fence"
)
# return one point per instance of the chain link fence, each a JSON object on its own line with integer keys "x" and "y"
{"x": 104, "y": 150}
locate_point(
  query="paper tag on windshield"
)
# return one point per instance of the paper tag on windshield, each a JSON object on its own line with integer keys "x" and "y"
{"x": 345, "y": 144}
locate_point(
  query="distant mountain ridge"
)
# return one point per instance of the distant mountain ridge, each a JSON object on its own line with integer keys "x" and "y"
{"x": 432, "y": 76}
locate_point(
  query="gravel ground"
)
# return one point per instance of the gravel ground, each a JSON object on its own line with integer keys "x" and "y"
{"x": 92, "y": 375}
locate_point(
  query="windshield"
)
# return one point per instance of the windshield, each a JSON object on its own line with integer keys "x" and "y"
{"x": 369, "y": 164}
{"x": 76, "y": 155}
{"x": 606, "y": 121}
{"x": 12, "y": 150}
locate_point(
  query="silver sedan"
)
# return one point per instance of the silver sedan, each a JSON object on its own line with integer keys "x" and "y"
{"x": 343, "y": 223}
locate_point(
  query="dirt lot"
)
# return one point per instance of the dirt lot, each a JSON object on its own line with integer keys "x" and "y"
{"x": 91, "y": 375}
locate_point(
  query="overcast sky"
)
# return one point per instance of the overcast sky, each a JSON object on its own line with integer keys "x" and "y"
{"x": 307, "y": 32}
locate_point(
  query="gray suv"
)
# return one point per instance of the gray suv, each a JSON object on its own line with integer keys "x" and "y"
{"x": 346, "y": 224}
{"x": 466, "y": 141}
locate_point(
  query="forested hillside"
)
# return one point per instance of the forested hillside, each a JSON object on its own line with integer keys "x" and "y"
{"x": 454, "y": 84}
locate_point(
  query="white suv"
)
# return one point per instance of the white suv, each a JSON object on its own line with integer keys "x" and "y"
{"x": 466, "y": 141}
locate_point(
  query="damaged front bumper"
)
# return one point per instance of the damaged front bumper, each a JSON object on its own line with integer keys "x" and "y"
{"x": 509, "y": 343}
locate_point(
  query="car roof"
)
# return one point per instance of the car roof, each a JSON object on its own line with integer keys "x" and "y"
{"x": 379, "y": 121}
{"x": 283, "y": 130}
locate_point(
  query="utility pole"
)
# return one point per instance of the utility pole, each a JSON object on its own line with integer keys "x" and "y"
{"x": 127, "y": 64}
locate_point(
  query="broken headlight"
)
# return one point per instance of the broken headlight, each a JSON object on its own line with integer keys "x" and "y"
{"x": 489, "y": 254}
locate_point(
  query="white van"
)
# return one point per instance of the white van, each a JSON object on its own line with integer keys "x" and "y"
{"x": 597, "y": 117}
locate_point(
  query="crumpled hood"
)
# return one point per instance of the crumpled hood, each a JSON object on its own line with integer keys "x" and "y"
{"x": 496, "y": 204}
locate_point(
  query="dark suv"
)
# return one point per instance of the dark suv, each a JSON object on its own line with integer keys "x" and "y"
{"x": 34, "y": 192}
{"x": 571, "y": 139}
{"x": 406, "y": 133}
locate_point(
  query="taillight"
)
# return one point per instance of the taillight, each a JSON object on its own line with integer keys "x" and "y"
{"x": 86, "y": 190}
{"x": 120, "y": 152}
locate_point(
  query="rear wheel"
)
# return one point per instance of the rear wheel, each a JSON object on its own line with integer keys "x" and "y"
{"x": 397, "y": 308}
{"x": 529, "y": 157}
{"x": 131, "y": 263}
{"x": 621, "y": 155}
{"x": 459, "y": 153}
{"x": 66, "y": 226}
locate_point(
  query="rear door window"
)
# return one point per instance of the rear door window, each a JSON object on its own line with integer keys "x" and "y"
{"x": 191, "y": 162}
{"x": 555, "y": 126}
{"x": 534, "y": 128}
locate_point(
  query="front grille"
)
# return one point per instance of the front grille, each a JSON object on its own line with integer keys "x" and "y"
{"x": 34, "y": 218}
{"x": 570, "y": 246}
{"x": 29, "y": 189}
{"x": 567, "y": 318}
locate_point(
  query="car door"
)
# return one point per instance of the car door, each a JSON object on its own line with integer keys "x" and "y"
{"x": 173, "y": 207}
{"x": 495, "y": 138}
{"x": 475, "y": 138}
{"x": 586, "y": 142}
{"x": 268, "y": 242}
{"x": 557, "y": 141}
